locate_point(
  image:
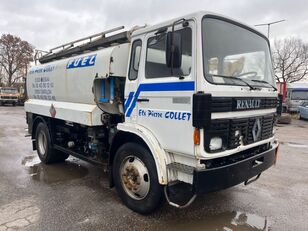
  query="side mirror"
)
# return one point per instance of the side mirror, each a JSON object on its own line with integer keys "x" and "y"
{"x": 174, "y": 50}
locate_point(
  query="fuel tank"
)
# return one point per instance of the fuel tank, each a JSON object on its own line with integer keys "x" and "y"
{"x": 66, "y": 85}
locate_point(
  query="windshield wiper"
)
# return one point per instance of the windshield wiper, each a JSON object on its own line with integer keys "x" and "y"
{"x": 263, "y": 81}
{"x": 236, "y": 78}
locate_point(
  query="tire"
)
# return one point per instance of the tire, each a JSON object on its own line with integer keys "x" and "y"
{"x": 44, "y": 148}
{"x": 131, "y": 161}
{"x": 14, "y": 104}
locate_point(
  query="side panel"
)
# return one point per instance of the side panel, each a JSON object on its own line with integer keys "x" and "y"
{"x": 85, "y": 114}
{"x": 167, "y": 113}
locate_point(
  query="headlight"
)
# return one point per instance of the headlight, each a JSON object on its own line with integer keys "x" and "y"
{"x": 215, "y": 143}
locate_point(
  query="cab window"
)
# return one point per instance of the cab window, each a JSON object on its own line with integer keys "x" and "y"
{"x": 156, "y": 66}
{"x": 135, "y": 60}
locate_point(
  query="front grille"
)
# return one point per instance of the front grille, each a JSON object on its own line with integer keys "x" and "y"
{"x": 221, "y": 104}
{"x": 269, "y": 103}
{"x": 235, "y": 131}
{"x": 245, "y": 128}
{"x": 238, "y": 128}
{"x": 8, "y": 97}
{"x": 267, "y": 123}
{"x": 225, "y": 104}
{"x": 219, "y": 126}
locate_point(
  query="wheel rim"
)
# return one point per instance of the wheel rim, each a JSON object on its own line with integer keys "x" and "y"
{"x": 42, "y": 142}
{"x": 135, "y": 177}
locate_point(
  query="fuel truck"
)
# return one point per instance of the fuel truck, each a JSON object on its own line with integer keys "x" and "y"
{"x": 186, "y": 106}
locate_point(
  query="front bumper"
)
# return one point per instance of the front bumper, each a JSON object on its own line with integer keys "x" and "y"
{"x": 214, "y": 179}
{"x": 293, "y": 109}
{"x": 8, "y": 101}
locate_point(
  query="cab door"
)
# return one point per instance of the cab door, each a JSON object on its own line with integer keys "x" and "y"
{"x": 162, "y": 100}
{"x": 133, "y": 79}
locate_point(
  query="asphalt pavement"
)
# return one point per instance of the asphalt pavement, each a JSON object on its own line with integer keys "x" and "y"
{"x": 75, "y": 195}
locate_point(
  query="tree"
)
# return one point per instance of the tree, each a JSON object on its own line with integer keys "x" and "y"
{"x": 1, "y": 76}
{"x": 290, "y": 57}
{"x": 15, "y": 57}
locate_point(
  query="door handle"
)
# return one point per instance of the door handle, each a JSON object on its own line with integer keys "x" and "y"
{"x": 143, "y": 100}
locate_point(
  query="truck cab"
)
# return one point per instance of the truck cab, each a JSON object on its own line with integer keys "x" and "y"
{"x": 219, "y": 89}
{"x": 297, "y": 94}
{"x": 189, "y": 101}
{"x": 8, "y": 95}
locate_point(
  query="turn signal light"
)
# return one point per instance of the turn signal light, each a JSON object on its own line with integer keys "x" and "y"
{"x": 196, "y": 136}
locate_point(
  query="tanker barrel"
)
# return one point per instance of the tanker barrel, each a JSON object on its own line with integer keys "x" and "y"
{"x": 79, "y": 83}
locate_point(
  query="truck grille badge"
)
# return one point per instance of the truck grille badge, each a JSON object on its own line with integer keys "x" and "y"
{"x": 256, "y": 130}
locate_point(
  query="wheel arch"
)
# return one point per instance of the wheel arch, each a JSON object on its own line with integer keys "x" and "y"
{"x": 36, "y": 121}
{"x": 140, "y": 135}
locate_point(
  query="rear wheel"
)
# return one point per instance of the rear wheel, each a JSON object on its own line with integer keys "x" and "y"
{"x": 136, "y": 180}
{"x": 44, "y": 148}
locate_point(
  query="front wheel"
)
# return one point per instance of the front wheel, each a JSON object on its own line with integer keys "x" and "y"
{"x": 136, "y": 180}
{"x": 44, "y": 148}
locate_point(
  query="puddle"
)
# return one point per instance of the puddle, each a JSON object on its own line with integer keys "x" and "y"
{"x": 60, "y": 172}
{"x": 230, "y": 221}
{"x": 297, "y": 145}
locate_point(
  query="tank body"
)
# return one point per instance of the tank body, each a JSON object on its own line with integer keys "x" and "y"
{"x": 71, "y": 79}
{"x": 66, "y": 86}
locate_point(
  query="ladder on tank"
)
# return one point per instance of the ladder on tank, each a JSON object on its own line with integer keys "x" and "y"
{"x": 86, "y": 44}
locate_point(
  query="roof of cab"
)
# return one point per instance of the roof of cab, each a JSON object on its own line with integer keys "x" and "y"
{"x": 197, "y": 16}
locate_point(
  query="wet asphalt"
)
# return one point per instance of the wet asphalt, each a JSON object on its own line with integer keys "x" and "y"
{"x": 75, "y": 195}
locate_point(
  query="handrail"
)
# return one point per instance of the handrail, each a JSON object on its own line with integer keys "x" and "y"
{"x": 71, "y": 44}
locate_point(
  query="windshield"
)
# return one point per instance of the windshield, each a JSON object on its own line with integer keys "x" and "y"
{"x": 299, "y": 95}
{"x": 231, "y": 50}
{"x": 8, "y": 91}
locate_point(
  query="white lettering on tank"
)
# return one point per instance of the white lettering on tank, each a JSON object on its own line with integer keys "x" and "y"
{"x": 92, "y": 60}
{"x": 70, "y": 62}
{"x": 77, "y": 61}
{"x": 84, "y": 61}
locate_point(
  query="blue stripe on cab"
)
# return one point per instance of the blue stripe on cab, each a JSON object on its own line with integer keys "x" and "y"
{"x": 128, "y": 100}
{"x": 173, "y": 86}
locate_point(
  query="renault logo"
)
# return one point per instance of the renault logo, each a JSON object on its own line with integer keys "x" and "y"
{"x": 256, "y": 130}
{"x": 248, "y": 104}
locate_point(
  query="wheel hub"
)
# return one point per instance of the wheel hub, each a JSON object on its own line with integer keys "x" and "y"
{"x": 131, "y": 177}
{"x": 135, "y": 177}
{"x": 42, "y": 142}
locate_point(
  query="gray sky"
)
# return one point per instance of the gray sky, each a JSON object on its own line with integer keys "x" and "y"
{"x": 47, "y": 23}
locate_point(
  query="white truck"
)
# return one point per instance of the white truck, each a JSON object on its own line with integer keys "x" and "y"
{"x": 188, "y": 102}
{"x": 9, "y": 95}
{"x": 297, "y": 94}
